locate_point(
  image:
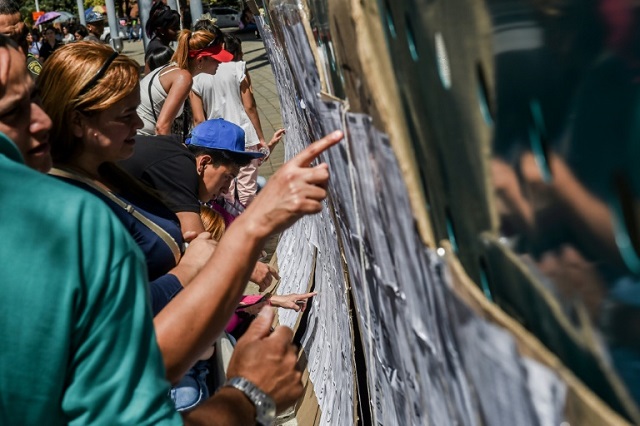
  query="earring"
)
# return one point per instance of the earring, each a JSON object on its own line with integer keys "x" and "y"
{"x": 199, "y": 66}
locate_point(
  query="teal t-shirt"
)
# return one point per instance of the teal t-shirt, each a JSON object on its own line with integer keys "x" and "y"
{"x": 78, "y": 345}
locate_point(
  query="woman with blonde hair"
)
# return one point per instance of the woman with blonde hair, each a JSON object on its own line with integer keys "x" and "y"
{"x": 164, "y": 91}
{"x": 94, "y": 121}
{"x": 91, "y": 94}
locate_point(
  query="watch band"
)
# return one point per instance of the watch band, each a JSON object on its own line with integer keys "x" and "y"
{"x": 265, "y": 407}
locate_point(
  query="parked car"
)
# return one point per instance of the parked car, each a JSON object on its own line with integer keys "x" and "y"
{"x": 225, "y": 16}
{"x": 106, "y": 34}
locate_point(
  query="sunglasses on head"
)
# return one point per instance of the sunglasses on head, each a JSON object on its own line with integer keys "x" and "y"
{"x": 215, "y": 42}
{"x": 94, "y": 80}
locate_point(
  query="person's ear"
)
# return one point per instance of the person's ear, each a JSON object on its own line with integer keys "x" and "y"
{"x": 202, "y": 162}
{"x": 77, "y": 124}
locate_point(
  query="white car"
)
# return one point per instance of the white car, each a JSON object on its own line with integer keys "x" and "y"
{"x": 106, "y": 34}
{"x": 225, "y": 16}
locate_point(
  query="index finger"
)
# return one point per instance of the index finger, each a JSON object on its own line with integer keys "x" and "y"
{"x": 306, "y": 295}
{"x": 310, "y": 153}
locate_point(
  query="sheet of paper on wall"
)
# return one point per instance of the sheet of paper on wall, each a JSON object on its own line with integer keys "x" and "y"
{"x": 493, "y": 364}
{"x": 398, "y": 250}
{"x": 292, "y": 117}
{"x": 330, "y": 112}
{"x": 295, "y": 263}
{"x": 301, "y": 59}
{"x": 329, "y": 349}
{"x": 548, "y": 392}
{"x": 451, "y": 388}
{"x": 327, "y": 342}
{"x": 380, "y": 302}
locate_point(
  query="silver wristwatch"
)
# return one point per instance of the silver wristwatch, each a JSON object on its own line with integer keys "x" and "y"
{"x": 265, "y": 407}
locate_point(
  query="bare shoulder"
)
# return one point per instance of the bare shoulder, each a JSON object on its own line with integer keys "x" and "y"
{"x": 176, "y": 76}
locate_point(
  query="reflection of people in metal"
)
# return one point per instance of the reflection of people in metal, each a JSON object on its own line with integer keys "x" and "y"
{"x": 559, "y": 170}
{"x": 561, "y": 224}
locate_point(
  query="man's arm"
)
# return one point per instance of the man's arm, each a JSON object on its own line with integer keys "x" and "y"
{"x": 250, "y": 107}
{"x": 118, "y": 376}
{"x": 197, "y": 108}
{"x": 179, "y": 89}
{"x": 228, "y": 407}
{"x": 190, "y": 221}
{"x": 269, "y": 361}
{"x": 190, "y": 323}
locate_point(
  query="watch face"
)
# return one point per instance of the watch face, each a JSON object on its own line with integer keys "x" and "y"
{"x": 266, "y": 411}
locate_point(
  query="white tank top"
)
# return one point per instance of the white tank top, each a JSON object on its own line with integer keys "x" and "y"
{"x": 159, "y": 96}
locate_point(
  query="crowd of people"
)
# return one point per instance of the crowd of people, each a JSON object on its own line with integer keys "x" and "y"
{"x": 123, "y": 265}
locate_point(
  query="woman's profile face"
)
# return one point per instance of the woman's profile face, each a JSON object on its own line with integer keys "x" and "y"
{"x": 108, "y": 135}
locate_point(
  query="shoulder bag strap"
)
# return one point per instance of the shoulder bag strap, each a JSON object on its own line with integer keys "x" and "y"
{"x": 158, "y": 230}
{"x": 153, "y": 106}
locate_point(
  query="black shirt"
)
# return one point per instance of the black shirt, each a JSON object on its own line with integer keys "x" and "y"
{"x": 154, "y": 44}
{"x": 46, "y": 50}
{"x": 166, "y": 165}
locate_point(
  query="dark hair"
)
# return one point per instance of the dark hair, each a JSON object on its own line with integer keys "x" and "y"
{"x": 82, "y": 30}
{"x": 205, "y": 24}
{"x": 35, "y": 33}
{"x": 233, "y": 45}
{"x": 159, "y": 56}
{"x": 160, "y": 16}
{"x": 9, "y": 7}
{"x": 220, "y": 157}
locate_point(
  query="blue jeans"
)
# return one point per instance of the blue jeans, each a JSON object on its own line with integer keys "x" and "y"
{"x": 192, "y": 388}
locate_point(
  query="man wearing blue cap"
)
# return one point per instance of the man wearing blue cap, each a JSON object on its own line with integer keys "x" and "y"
{"x": 188, "y": 175}
{"x": 88, "y": 326}
{"x": 201, "y": 170}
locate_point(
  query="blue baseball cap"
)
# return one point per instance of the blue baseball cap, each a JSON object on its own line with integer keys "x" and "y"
{"x": 94, "y": 17}
{"x": 220, "y": 134}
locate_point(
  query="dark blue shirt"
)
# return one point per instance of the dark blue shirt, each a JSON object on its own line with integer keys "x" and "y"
{"x": 160, "y": 259}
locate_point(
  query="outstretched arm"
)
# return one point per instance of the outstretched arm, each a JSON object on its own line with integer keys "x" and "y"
{"x": 193, "y": 320}
{"x": 197, "y": 108}
{"x": 250, "y": 107}
{"x": 297, "y": 302}
{"x": 179, "y": 86}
